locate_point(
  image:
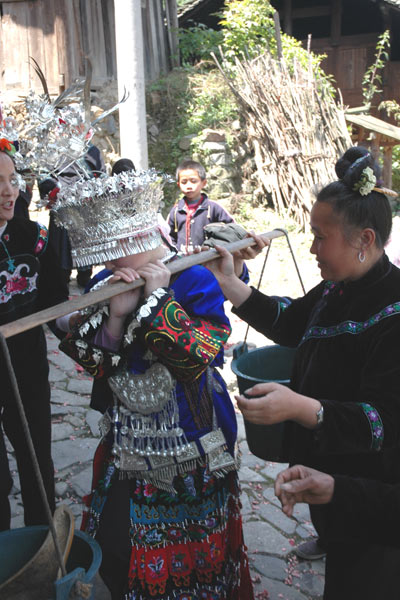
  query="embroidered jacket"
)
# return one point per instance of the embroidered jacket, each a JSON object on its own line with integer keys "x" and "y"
{"x": 30, "y": 280}
{"x": 347, "y": 337}
{"x": 184, "y": 328}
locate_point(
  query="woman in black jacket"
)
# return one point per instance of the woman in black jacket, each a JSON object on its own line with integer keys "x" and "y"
{"x": 342, "y": 410}
{"x": 30, "y": 280}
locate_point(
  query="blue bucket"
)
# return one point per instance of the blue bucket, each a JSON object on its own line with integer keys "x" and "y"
{"x": 270, "y": 363}
{"x": 18, "y": 546}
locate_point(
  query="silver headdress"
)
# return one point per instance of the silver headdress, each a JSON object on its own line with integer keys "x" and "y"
{"x": 110, "y": 217}
{"x": 54, "y": 133}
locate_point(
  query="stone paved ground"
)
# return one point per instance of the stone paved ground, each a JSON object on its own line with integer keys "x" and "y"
{"x": 269, "y": 534}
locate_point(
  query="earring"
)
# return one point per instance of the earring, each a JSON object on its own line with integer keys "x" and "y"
{"x": 361, "y": 256}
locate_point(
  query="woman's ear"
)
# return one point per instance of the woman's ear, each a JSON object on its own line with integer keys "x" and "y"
{"x": 368, "y": 237}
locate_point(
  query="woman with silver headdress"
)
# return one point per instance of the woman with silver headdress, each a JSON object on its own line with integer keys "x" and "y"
{"x": 165, "y": 504}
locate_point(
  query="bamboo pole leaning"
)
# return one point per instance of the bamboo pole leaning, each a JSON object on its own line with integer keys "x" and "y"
{"x": 107, "y": 292}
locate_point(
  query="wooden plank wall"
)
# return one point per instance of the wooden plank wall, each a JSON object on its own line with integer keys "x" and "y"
{"x": 59, "y": 33}
{"x": 348, "y": 62}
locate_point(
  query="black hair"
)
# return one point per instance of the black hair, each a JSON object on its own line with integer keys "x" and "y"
{"x": 358, "y": 211}
{"x": 188, "y": 163}
{"x": 123, "y": 164}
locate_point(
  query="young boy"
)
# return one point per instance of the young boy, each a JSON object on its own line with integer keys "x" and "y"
{"x": 192, "y": 212}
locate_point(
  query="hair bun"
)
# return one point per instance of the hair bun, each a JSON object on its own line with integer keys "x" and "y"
{"x": 351, "y": 165}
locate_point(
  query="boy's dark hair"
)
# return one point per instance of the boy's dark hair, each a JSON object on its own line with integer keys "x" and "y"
{"x": 123, "y": 164}
{"x": 358, "y": 211}
{"x": 188, "y": 163}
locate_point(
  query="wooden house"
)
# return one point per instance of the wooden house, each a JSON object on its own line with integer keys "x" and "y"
{"x": 58, "y": 34}
{"x": 347, "y": 32}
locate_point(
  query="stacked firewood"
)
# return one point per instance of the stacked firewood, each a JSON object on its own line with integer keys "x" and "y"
{"x": 296, "y": 127}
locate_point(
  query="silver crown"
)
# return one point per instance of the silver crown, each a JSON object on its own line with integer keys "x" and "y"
{"x": 110, "y": 217}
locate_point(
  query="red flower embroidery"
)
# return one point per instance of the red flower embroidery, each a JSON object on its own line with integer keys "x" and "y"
{"x": 5, "y": 145}
{"x": 39, "y": 246}
{"x": 149, "y": 490}
{"x": 16, "y": 285}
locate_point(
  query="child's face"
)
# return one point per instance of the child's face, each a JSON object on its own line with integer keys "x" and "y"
{"x": 190, "y": 184}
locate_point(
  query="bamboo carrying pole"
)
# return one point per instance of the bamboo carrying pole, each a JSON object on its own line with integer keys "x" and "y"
{"x": 107, "y": 292}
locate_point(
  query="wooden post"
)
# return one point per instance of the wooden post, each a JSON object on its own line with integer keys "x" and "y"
{"x": 130, "y": 67}
{"x": 278, "y": 34}
{"x": 172, "y": 25}
{"x": 387, "y": 167}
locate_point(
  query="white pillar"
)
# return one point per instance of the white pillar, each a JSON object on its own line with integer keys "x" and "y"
{"x": 130, "y": 68}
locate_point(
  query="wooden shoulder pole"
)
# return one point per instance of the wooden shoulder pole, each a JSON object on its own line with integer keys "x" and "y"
{"x": 107, "y": 292}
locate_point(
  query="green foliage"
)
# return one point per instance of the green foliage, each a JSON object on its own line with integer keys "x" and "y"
{"x": 372, "y": 80}
{"x": 211, "y": 103}
{"x": 248, "y": 28}
{"x": 392, "y": 108}
{"x": 196, "y": 43}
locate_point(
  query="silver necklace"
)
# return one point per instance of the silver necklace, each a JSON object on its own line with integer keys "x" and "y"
{"x": 10, "y": 261}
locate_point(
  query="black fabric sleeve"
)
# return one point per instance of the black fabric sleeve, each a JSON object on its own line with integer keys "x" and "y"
{"x": 364, "y": 510}
{"x": 281, "y": 319}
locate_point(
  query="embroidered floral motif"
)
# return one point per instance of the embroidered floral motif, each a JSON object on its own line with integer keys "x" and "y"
{"x": 376, "y": 425}
{"x": 329, "y": 287}
{"x": 16, "y": 283}
{"x": 353, "y": 327}
{"x": 42, "y": 239}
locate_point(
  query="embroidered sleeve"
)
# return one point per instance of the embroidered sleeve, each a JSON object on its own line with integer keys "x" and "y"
{"x": 41, "y": 241}
{"x": 376, "y": 425}
{"x": 97, "y": 361}
{"x": 185, "y": 345}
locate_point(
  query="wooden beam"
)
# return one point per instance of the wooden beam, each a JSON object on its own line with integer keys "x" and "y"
{"x": 305, "y": 13}
{"x": 109, "y": 291}
{"x": 387, "y": 167}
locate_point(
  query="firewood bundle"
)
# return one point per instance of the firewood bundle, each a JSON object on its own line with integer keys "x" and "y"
{"x": 295, "y": 126}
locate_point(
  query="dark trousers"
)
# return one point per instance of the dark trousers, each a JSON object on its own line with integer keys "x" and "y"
{"x": 35, "y": 394}
{"x": 113, "y": 537}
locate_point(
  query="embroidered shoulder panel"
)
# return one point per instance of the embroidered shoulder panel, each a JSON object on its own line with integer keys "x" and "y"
{"x": 376, "y": 425}
{"x": 42, "y": 240}
{"x": 187, "y": 346}
{"x": 352, "y": 327}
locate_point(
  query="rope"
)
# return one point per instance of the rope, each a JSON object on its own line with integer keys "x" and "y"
{"x": 285, "y": 233}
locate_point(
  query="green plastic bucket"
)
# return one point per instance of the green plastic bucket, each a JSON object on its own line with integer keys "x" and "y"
{"x": 270, "y": 363}
{"x": 18, "y": 546}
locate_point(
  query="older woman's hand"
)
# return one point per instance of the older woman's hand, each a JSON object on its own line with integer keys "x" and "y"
{"x": 303, "y": 484}
{"x": 267, "y": 403}
{"x": 271, "y": 402}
